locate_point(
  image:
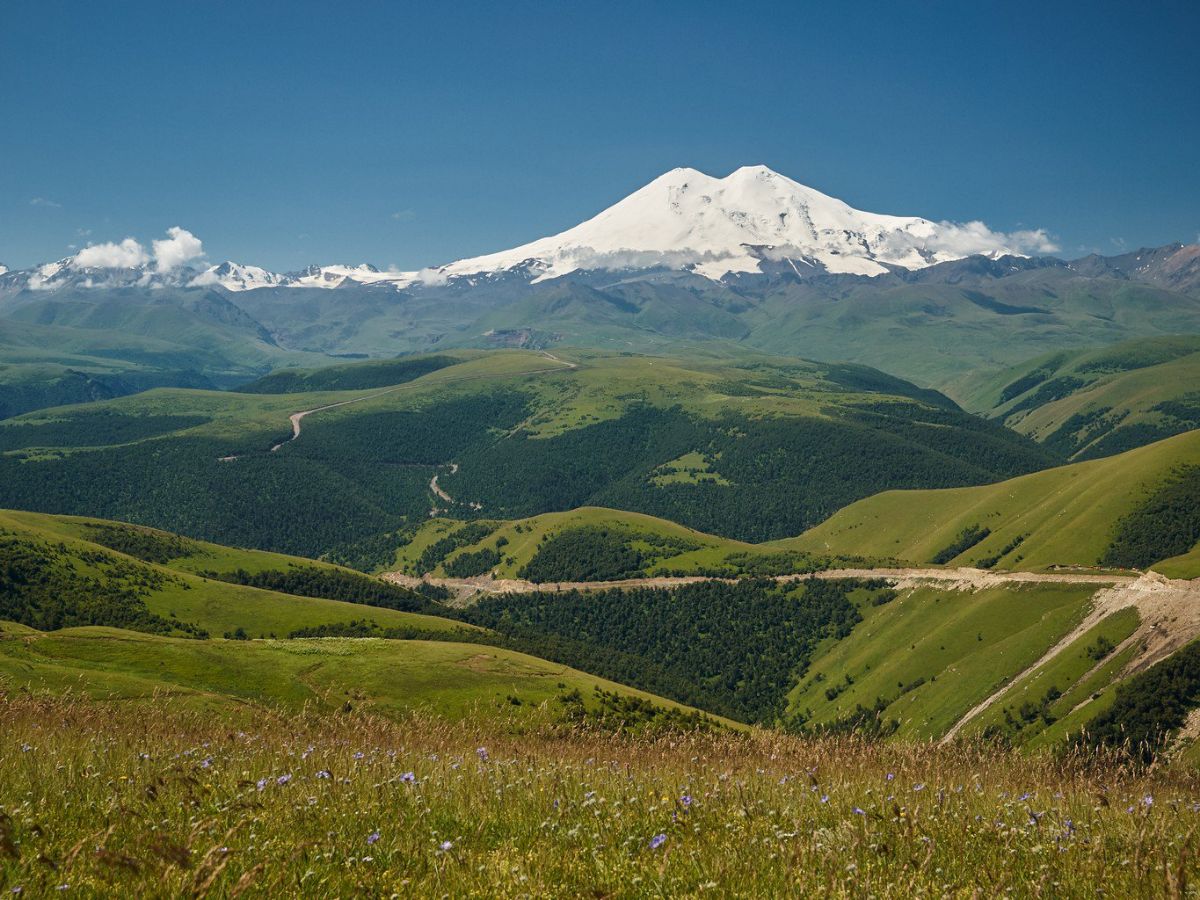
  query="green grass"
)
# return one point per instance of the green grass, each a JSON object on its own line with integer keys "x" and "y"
{"x": 1121, "y": 388}
{"x": 963, "y": 644}
{"x": 1068, "y": 513}
{"x": 452, "y": 680}
{"x": 110, "y": 802}
{"x": 217, "y": 606}
{"x": 1073, "y": 672}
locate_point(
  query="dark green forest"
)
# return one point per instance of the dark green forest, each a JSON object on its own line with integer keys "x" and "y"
{"x": 332, "y": 584}
{"x": 1165, "y": 525}
{"x": 733, "y": 649}
{"x": 354, "y": 476}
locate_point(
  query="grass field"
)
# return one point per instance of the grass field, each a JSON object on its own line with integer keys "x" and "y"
{"x": 932, "y": 654}
{"x": 98, "y": 799}
{"x": 1067, "y": 515}
{"x": 451, "y": 680}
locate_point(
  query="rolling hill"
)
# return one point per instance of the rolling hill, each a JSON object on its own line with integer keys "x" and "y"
{"x": 752, "y": 449}
{"x": 1092, "y": 403}
{"x": 1084, "y": 514}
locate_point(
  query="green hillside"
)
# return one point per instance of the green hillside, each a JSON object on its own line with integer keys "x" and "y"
{"x": 1069, "y": 515}
{"x": 585, "y": 544}
{"x": 457, "y": 681}
{"x": 1091, "y": 403}
{"x": 61, "y": 572}
{"x": 928, "y": 656}
{"x": 753, "y": 449}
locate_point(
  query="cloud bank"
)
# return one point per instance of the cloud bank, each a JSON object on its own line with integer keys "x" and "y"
{"x": 179, "y": 247}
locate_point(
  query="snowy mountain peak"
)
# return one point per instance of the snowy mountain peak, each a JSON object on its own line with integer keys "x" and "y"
{"x": 685, "y": 219}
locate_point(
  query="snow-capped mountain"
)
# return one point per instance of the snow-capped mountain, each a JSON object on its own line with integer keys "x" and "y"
{"x": 718, "y": 226}
{"x": 751, "y": 221}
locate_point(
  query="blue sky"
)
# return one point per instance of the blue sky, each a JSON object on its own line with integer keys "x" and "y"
{"x": 286, "y": 133}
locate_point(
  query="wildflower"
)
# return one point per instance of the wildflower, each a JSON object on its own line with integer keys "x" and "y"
{"x": 657, "y": 841}
{"x": 283, "y": 779}
{"x": 408, "y": 778}
{"x": 359, "y": 755}
{"x": 25, "y": 748}
{"x": 446, "y": 846}
{"x": 919, "y": 787}
{"x": 18, "y": 889}
{"x": 482, "y": 753}
{"x": 206, "y": 762}
{"x": 824, "y": 798}
{"x": 324, "y": 773}
{"x": 63, "y": 887}
{"x": 1148, "y": 800}
{"x": 858, "y": 811}
{"x": 372, "y": 837}
{"x": 1025, "y": 796}
{"x": 890, "y": 776}
{"x": 686, "y": 800}
{"x": 262, "y": 783}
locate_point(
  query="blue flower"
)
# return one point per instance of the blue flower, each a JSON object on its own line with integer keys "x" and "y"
{"x": 372, "y": 837}
{"x": 283, "y": 779}
{"x": 686, "y": 800}
{"x": 859, "y": 812}
{"x": 408, "y": 778}
{"x": 445, "y": 846}
{"x": 324, "y": 773}
{"x": 657, "y": 841}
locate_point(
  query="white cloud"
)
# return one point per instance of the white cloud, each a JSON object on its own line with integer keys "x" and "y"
{"x": 404, "y": 215}
{"x": 42, "y": 201}
{"x": 126, "y": 255}
{"x": 181, "y": 247}
{"x": 969, "y": 238}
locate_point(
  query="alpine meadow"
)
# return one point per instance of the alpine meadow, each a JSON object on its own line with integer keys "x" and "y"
{"x": 643, "y": 520}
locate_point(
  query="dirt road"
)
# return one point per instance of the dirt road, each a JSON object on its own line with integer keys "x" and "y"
{"x": 952, "y": 579}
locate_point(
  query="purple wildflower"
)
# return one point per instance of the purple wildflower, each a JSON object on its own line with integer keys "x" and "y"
{"x": 206, "y": 762}
{"x": 324, "y": 773}
{"x": 283, "y": 779}
{"x": 858, "y": 811}
{"x": 372, "y": 837}
{"x": 482, "y": 753}
{"x": 657, "y": 841}
{"x": 919, "y": 787}
{"x": 686, "y": 800}
{"x": 408, "y": 778}
{"x": 1148, "y": 800}
{"x": 446, "y": 846}
{"x": 359, "y": 755}
{"x": 261, "y": 784}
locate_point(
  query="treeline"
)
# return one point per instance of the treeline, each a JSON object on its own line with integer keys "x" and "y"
{"x": 147, "y": 544}
{"x": 352, "y": 377}
{"x": 331, "y": 584}
{"x": 48, "y": 586}
{"x": 963, "y": 541}
{"x": 1149, "y": 707}
{"x": 432, "y": 556}
{"x": 733, "y": 649}
{"x": 92, "y": 428}
{"x": 588, "y": 553}
{"x": 1167, "y": 524}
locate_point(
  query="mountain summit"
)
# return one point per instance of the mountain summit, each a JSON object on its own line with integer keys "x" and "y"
{"x": 714, "y": 227}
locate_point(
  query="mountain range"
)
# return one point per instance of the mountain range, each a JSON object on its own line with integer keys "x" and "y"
{"x": 753, "y": 261}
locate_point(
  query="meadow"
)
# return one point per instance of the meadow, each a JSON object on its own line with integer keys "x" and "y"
{"x": 102, "y": 799}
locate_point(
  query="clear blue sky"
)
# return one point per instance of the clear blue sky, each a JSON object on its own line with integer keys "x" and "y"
{"x": 285, "y": 133}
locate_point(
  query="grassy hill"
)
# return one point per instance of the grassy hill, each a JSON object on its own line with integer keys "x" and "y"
{"x": 1091, "y": 403}
{"x": 929, "y": 655}
{"x": 390, "y": 677}
{"x": 585, "y": 544}
{"x": 751, "y": 449}
{"x": 1070, "y": 515}
{"x": 73, "y": 571}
